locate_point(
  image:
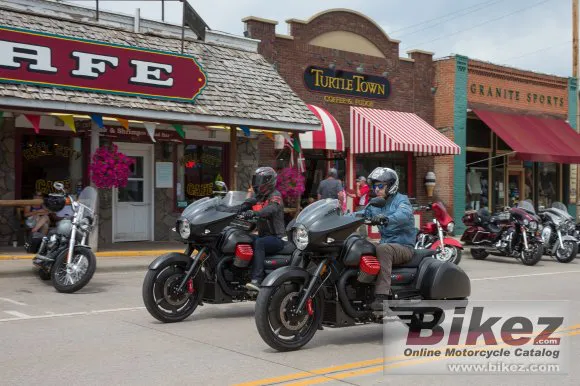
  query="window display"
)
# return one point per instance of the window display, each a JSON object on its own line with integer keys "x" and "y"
{"x": 477, "y": 181}
{"x": 199, "y": 167}
{"x": 549, "y": 184}
{"x": 49, "y": 159}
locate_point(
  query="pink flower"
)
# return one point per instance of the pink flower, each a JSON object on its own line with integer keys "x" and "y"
{"x": 109, "y": 168}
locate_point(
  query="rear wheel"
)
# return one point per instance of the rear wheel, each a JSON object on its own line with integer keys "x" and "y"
{"x": 534, "y": 255}
{"x": 479, "y": 254}
{"x": 277, "y": 321}
{"x": 568, "y": 253}
{"x": 162, "y": 298}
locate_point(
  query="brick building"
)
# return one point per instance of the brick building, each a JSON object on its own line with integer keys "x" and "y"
{"x": 516, "y": 130}
{"x": 346, "y": 68}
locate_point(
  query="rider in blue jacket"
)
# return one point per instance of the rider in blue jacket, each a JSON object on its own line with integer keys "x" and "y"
{"x": 397, "y": 227}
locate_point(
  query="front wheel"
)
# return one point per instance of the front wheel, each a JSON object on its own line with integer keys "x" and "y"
{"x": 450, "y": 253}
{"x": 568, "y": 253}
{"x": 534, "y": 255}
{"x": 71, "y": 277}
{"x": 277, "y": 321}
{"x": 162, "y": 298}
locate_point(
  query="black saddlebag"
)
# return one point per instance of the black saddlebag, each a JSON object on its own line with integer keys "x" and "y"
{"x": 442, "y": 280}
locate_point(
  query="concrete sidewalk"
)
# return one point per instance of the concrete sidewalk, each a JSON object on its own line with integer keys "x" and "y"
{"x": 129, "y": 249}
{"x": 23, "y": 268}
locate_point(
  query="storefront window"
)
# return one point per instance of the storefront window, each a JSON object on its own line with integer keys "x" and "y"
{"x": 395, "y": 160}
{"x": 478, "y": 134}
{"x": 199, "y": 167}
{"x": 529, "y": 180}
{"x": 477, "y": 180}
{"x": 499, "y": 188}
{"x": 49, "y": 159}
{"x": 549, "y": 184}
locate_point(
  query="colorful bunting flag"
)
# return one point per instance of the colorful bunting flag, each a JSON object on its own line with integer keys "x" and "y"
{"x": 123, "y": 122}
{"x": 35, "y": 121}
{"x": 150, "y": 127}
{"x": 98, "y": 119}
{"x": 68, "y": 120}
{"x": 246, "y": 130}
{"x": 179, "y": 128}
{"x": 270, "y": 136}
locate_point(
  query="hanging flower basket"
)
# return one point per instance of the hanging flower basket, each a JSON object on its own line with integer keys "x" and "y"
{"x": 110, "y": 168}
{"x": 290, "y": 184}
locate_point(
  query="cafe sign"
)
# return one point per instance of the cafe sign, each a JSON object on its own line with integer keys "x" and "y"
{"x": 346, "y": 83}
{"x": 47, "y": 60}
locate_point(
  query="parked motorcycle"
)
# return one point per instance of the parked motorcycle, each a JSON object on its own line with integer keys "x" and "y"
{"x": 334, "y": 284}
{"x": 432, "y": 235}
{"x": 216, "y": 264}
{"x": 557, "y": 227}
{"x": 512, "y": 233}
{"x": 65, "y": 256}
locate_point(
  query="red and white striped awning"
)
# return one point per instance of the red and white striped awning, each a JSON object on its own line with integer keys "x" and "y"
{"x": 377, "y": 131}
{"x": 330, "y": 137}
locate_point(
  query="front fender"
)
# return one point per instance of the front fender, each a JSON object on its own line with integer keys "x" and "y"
{"x": 284, "y": 274}
{"x": 447, "y": 241}
{"x": 569, "y": 238}
{"x": 172, "y": 257}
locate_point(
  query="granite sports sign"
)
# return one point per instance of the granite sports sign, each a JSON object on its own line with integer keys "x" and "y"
{"x": 41, "y": 59}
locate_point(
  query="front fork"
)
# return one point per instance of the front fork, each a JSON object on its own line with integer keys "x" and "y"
{"x": 560, "y": 239}
{"x": 525, "y": 237}
{"x": 310, "y": 293}
{"x": 197, "y": 260}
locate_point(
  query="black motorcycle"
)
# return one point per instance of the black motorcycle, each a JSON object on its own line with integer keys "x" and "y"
{"x": 558, "y": 226}
{"x": 64, "y": 255}
{"x": 216, "y": 264}
{"x": 334, "y": 284}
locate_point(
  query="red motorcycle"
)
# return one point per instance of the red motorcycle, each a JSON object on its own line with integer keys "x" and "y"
{"x": 432, "y": 235}
{"x": 512, "y": 233}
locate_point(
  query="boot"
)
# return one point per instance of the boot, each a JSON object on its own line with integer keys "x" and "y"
{"x": 377, "y": 304}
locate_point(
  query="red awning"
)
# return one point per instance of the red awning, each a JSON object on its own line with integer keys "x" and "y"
{"x": 533, "y": 138}
{"x": 330, "y": 137}
{"x": 377, "y": 131}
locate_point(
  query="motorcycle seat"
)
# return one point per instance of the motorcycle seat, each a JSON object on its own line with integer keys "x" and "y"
{"x": 418, "y": 256}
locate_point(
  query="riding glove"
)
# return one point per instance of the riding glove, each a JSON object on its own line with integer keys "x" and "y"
{"x": 379, "y": 219}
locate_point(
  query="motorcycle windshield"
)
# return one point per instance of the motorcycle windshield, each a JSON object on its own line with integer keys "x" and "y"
{"x": 317, "y": 210}
{"x": 234, "y": 198}
{"x": 202, "y": 205}
{"x": 560, "y": 206}
{"x": 527, "y": 205}
{"x": 88, "y": 198}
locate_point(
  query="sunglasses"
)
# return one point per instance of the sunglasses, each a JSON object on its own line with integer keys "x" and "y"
{"x": 378, "y": 186}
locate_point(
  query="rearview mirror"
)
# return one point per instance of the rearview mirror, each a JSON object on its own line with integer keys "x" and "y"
{"x": 378, "y": 202}
{"x": 58, "y": 186}
{"x": 221, "y": 185}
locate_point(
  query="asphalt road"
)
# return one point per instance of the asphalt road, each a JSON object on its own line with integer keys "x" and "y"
{"x": 104, "y": 336}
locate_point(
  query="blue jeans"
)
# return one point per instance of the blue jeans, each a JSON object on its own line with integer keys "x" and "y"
{"x": 267, "y": 245}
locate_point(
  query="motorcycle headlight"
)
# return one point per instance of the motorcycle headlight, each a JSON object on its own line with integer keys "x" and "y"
{"x": 526, "y": 222}
{"x": 184, "y": 229}
{"x": 533, "y": 225}
{"x": 300, "y": 237}
{"x": 85, "y": 224}
{"x": 451, "y": 227}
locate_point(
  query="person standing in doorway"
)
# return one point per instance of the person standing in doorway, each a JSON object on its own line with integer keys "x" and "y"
{"x": 331, "y": 187}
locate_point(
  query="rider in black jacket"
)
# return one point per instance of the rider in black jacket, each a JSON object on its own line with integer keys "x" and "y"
{"x": 270, "y": 213}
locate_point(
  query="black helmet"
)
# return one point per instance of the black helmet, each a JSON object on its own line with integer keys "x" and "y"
{"x": 387, "y": 177}
{"x": 55, "y": 202}
{"x": 264, "y": 181}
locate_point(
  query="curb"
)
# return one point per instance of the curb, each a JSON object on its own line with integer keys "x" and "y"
{"x": 100, "y": 254}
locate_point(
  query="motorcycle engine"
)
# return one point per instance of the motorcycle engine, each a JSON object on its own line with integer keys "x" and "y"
{"x": 504, "y": 244}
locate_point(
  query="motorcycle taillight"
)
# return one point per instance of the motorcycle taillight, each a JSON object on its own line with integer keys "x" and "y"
{"x": 244, "y": 251}
{"x": 369, "y": 265}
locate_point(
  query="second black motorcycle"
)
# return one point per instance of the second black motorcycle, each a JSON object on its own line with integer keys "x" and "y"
{"x": 334, "y": 284}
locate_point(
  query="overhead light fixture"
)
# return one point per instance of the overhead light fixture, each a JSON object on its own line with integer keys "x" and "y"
{"x": 332, "y": 65}
{"x": 386, "y": 74}
{"x": 433, "y": 90}
{"x": 360, "y": 68}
